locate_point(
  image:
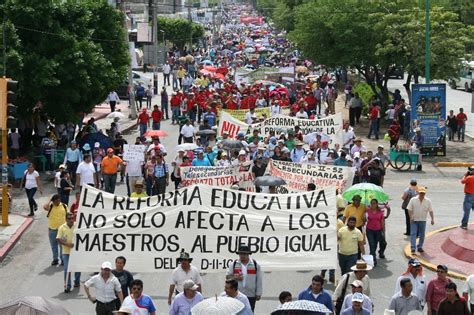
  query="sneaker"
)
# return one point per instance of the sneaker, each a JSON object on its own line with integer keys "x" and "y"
{"x": 67, "y": 290}
{"x": 77, "y": 285}
{"x": 464, "y": 227}
{"x": 31, "y": 214}
{"x": 381, "y": 256}
{"x": 35, "y": 208}
{"x": 420, "y": 250}
{"x": 54, "y": 263}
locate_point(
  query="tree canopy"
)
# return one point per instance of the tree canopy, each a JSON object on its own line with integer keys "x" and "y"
{"x": 66, "y": 54}
{"x": 180, "y": 31}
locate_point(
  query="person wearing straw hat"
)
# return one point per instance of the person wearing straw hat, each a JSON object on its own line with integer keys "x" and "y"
{"x": 405, "y": 300}
{"x": 184, "y": 301}
{"x": 248, "y": 274}
{"x": 139, "y": 303}
{"x": 358, "y": 272}
{"x": 183, "y": 272}
{"x": 138, "y": 190}
{"x": 298, "y": 152}
{"x": 123, "y": 311}
{"x": 418, "y": 208}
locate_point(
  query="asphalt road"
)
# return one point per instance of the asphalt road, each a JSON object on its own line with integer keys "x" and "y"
{"x": 27, "y": 269}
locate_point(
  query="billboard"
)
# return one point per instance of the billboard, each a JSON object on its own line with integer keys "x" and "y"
{"x": 428, "y": 112}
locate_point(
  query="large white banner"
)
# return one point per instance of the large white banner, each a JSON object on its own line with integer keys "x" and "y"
{"x": 299, "y": 175}
{"x": 218, "y": 176}
{"x": 330, "y": 126}
{"x": 285, "y": 232}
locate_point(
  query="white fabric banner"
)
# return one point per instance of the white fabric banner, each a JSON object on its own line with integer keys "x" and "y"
{"x": 218, "y": 176}
{"x": 330, "y": 126}
{"x": 299, "y": 175}
{"x": 285, "y": 232}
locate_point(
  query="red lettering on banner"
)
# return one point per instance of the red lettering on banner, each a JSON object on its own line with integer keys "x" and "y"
{"x": 231, "y": 128}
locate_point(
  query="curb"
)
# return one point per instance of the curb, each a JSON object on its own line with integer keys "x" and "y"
{"x": 429, "y": 265}
{"x": 129, "y": 128}
{"x": 454, "y": 164}
{"x": 14, "y": 239}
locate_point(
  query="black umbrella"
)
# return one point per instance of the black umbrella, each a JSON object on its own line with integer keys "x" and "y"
{"x": 269, "y": 181}
{"x": 205, "y": 132}
{"x": 229, "y": 144}
{"x": 104, "y": 141}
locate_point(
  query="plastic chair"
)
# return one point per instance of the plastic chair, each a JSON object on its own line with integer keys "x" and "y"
{"x": 59, "y": 157}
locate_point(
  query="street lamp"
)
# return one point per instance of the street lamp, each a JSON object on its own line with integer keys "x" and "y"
{"x": 427, "y": 41}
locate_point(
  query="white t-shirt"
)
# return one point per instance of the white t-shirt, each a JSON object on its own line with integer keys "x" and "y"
{"x": 179, "y": 276}
{"x": 275, "y": 110}
{"x": 58, "y": 180}
{"x": 187, "y": 131}
{"x": 248, "y": 118}
{"x": 346, "y": 136}
{"x": 86, "y": 170}
{"x": 301, "y": 115}
{"x": 30, "y": 181}
{"x": 134, "y": 168}
{"x": 469, "y": 288}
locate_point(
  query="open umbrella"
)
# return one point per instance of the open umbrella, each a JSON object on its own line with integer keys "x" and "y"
{"x": 302, "y": 307}
{"x": 210, "y": 68}
{"x": 367, "y": 192}
{"x": 113, "y": 115}
{"x": 207, "y": 62}
{"x": 104, "y": 141}
{"x": 187, "y": 146}
{"x": 156, "y": 133}
{"x": 230, "y": 144}
{"x": 32, "y": 305}
{"x": 269, "y": 181}
{"x": 205, "y": 132}
{"x": 218, "y": 306}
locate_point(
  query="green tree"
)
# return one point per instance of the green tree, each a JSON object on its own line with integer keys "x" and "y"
{"x": 180, "y": 31}
{"x": 72, "y": 54}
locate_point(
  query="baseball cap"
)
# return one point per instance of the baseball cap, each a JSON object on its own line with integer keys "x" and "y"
{"x": 422, "y": 190}
{"x": 242, "y": 152}
{"x": 442, "y": 267}
{"x": 413, "y": 181}
{"x": 96, "y": 145}
{"x": 357, "y": 284}
{"x": 110, "y": 150}
{"x": 62, "y": 166}
{"x": 106, "y": 265}
{"x": 189, "y": 284}
{"x": 414, "y": 262}
{"x": 357, "y": 297}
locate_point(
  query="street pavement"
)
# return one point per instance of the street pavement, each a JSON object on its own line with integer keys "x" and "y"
{"x": 27, "y": 270}
{"x": 455, "y": 99}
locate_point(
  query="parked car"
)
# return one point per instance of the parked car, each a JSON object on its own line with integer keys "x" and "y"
{"x": 123, "y": 89}
{"x": 466, "y": 77}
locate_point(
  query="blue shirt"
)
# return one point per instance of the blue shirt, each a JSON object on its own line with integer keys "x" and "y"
{"x": 161, "y": 170}
{"x": 182, "y": 305}
{"x": 340, "y": 162}
{"x": 210, "y": 117}
{"x": 203, "y": 162}
{"x": 323, "y": 298}
{"x": 350, "y": 311}
{"x": 73, "y": 155}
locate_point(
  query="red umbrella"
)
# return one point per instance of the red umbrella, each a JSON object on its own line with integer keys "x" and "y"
{"x": 222, "y": 70}
{"x": 210, "y": 68}
{"x": 156, "y": 133}
{"x": 219, "y": 76}
{"x": 206, "y": 72}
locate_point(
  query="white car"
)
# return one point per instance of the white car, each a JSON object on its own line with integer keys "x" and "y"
{"x": 141, "y": 78}
{"x": 466, "y": 78}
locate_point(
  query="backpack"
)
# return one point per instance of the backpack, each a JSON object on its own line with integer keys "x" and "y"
{"x": 254, "y": 262}
{"x": 407, "y": 199}
{"x": 51, "y": 208}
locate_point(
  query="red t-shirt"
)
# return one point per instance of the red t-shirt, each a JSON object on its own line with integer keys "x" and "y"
{"x": 175, "y": 101}
{"x": 143, "y": 118}
{"x": 461, "y": 119}
{"x": 374, "y": 113}
{"x": 157, "y": 115}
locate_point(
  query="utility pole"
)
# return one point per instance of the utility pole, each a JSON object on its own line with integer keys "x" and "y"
{"x": 190, "y": 19}
{"x": 133, "y": 107}
{"x": 427, "y": 41}
{"x": 154, "y": 24}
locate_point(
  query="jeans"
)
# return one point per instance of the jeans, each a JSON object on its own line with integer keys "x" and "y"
{"x": 175, "y": 113}
{"x": 156, "y": 126}
{"x": 164, "y": 109}
{"x": 417, "y": 228}
{"x": 72, "y": 168}
{"x": 148, "y": 102}
{"x": 472, "y": 309}
{"x": 192, "y": 116}
{"x": 149, "y": 185}
{"x": 375, "y": 240}
{"x": 461, "y": 130}
{"x": 54, "y": 244}
{"x": 374, "y": 128}
{"x": 143, "y": 128}
{"x": 451, "y": 133}
{"x": 30, "y": 194}
{"x": 67, "y": 275}
{"x": 346, "y": 262}
{"x": 109, "y": 182}
{"x": 166, "y": 78}
{"x": 468, "y": 205}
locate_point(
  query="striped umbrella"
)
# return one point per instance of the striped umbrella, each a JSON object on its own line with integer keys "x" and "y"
{"x": 32, "y": 305}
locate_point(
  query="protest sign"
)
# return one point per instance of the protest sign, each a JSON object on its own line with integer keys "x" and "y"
{"x": 240, "y": 113}
{"x": 330, "y": 126}
{"x": 299, "y": 175}
{"x": 134, "y": 152}
{"x": 218, "y": 176}
{"x": 284, "y": 232}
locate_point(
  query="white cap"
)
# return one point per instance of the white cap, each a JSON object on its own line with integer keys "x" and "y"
{"x": 106, "y": 265}
{"x": 96, "y": 145}
{"x": 357, "y": 297}
{"x": 242, "y": 152}
{"x": 189, "y": 284}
